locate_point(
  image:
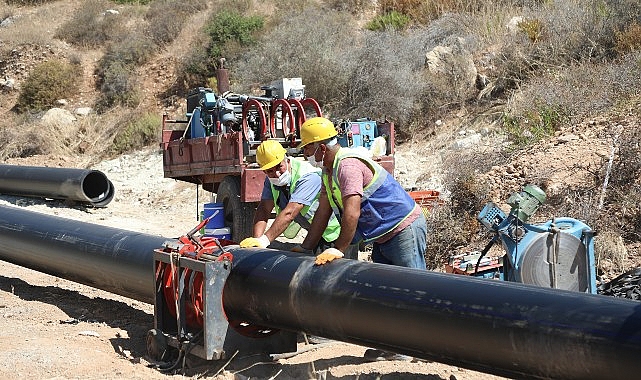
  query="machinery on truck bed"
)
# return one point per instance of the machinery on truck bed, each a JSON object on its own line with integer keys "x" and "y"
{"x": 215, "y": 145}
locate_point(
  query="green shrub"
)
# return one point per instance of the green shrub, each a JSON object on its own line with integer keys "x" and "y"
{"x": 91, "y": 26}
{"x": 48, "y": 82}
{"x": 196, "y": 68}
{"x": 118, "y": 86}
{"x": 533, "y": 126}
{"x": 140, "y": 132}
{"x": 227, "y": 34}
{"x": 392, "y": 20}
{"x": 230, "y": 27}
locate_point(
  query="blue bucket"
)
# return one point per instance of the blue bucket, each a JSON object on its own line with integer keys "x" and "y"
{"x": 218, "y": 212}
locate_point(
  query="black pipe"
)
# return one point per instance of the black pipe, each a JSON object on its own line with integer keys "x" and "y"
{"x": 507, "y": 329}
{"x": 111, "y": 259}
{"x": 80, "y": 185}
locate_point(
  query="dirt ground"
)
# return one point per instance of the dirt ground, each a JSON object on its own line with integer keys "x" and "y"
{"x": 56, "y": 329}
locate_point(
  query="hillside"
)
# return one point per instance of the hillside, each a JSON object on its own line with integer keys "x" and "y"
{"x": 53, "y": 328}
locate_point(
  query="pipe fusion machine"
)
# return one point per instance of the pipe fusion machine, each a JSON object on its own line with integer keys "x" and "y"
{"x": 557, "y": 254}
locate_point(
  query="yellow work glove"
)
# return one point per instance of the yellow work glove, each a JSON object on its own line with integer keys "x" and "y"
{"x": 328, "y": 255}
{"x": 261, "y": 242}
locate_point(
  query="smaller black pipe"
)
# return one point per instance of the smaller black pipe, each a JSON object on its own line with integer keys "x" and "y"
{"x": 80, "y": 185}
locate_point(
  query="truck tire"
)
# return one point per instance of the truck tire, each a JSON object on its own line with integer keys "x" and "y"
{"x": 239, "y": 216}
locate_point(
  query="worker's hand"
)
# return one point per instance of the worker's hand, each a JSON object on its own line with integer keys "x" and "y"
{"x": 261, "y": 242}
{"x": 328, "y": 255}
{"x": 299, "y": 249}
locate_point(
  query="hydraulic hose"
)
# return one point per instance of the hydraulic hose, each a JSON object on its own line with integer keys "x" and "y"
{"x": 80, "y": 185}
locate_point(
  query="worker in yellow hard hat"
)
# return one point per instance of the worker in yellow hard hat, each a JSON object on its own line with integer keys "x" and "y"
{"x": 371, "y": 205}
{"x": 292, "y": 188}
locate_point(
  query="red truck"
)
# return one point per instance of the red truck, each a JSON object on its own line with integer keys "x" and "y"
{"x": 215, "y": 145}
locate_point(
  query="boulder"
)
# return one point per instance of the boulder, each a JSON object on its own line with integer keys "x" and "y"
{"x": 58, "y": 116}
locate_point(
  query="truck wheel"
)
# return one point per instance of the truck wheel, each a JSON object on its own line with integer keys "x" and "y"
{"x": 239, "y": 216}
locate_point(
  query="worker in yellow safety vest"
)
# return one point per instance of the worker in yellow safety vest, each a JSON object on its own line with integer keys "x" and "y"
{"x": 292, "y": 188}
{"x": 370, "y": 204}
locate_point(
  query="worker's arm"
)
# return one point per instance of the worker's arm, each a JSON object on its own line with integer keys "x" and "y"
{"x": 349, "y": 221}
{"x": 283, "y": 219}
{"x": 319, "y": 223}
{"x": 263, "y": 212}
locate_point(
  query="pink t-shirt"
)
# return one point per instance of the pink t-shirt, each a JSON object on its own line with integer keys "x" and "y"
{"x": 353, "y": 176}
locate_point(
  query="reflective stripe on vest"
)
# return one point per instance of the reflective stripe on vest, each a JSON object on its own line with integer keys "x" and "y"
{"x": 384, "y": 205}
{"x": 299, "y": 169}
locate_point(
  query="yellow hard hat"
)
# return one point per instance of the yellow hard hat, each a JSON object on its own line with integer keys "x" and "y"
{"x": 316, "y": 129}
{"x": 269, "y": 154}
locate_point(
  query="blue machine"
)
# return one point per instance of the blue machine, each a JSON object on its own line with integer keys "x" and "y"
{"x": 357, "y": 133}
{"x": 209, "y": 114}
{"x": 556, "y": 254}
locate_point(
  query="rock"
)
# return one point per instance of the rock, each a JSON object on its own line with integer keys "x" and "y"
{"x": 513, "y": 25}
{"x": 58, "y": 116}
{"x": 567, "y": 138}
{"x": 453, "y": 62}
{"x": 467, "y": 142}
{"x": 8, "y": 21}
{"x": 7, "y": 83}
{"x": 83, "y": 111}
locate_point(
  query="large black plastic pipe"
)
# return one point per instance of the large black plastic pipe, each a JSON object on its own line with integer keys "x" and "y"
{"x": 80, "y": 185}
{"x": 508, "y": 329}
{"x": 111, "y": 259}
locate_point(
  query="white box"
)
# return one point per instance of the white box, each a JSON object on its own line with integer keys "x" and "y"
{"x": 288, "y": 88}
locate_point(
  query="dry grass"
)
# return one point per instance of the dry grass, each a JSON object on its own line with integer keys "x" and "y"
{"x": 610, "y": 252}
{"x": 91, "y": 26}
{"x": 34, "y": 26}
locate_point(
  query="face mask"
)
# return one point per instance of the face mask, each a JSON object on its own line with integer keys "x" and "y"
{"x": 283, "y": 180}
{"x": 312, "y": 160}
